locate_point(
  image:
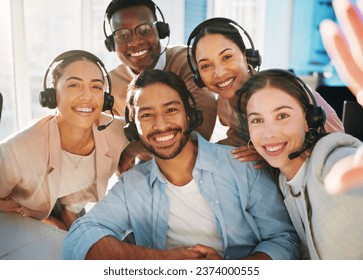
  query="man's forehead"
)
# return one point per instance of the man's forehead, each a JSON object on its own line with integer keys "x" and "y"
{"x": 156, "y": 95}
{"x": 132, "y": 14}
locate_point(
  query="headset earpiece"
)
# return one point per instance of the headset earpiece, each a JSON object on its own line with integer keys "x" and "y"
{"x": 198, "y": 80}
{"x": 253, "y": 58}
{"x": 47, "y": 98}
{"x": 163, "y": 29}
{"x": 130, "y": 129}
{"x": 108, "y": 102}
{"x": 131, "y": 133}
{"x": 195, "y": 117}
{"x": 110, "y": 43}
{"x": 315, "y": 116}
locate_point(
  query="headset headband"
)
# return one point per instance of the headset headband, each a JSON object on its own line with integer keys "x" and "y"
{"x": 164, "y": 30}
{"x": 79, "y": 53}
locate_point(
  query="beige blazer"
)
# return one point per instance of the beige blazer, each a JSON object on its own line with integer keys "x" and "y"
{"x": 30, "y": 164}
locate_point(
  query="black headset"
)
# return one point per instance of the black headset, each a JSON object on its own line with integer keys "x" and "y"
{"x": 194, "y": 115}
{"x": 252, "y": 55}
{"x": 47, "y": 97}
{"x": 315, "y": 115}
{"x": 161, "y": 26}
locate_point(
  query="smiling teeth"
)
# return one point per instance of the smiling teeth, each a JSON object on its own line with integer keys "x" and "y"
{"x": 84, "y": 110}
{"x": 274, "y": 148}
{"x": 164, "y": 138}
{"x": 226, "y": 83}
{"x": 140, "y": 53}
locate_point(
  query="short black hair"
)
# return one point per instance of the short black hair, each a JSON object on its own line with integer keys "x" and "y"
{"x": 116, "y": 5}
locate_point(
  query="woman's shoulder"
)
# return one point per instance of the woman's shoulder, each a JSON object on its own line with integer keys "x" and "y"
{"x": 332, "y": 148}
{"x": 336, "y": 140}
{"x": 37, "y": 128}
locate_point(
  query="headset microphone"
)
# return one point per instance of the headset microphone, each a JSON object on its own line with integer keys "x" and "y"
{"x": 296, "y": 154}
{"x": 166, "y": 46}
{"x": 311, "y": 137}
{"x": 102, "y": 127}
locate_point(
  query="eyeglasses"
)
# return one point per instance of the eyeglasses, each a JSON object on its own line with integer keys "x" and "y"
{"x": 124, "y": 35}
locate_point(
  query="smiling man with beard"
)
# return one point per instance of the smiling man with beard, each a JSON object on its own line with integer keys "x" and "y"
{"x": 191, "y": 201}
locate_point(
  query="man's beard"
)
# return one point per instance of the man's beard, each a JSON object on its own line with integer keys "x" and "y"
{"x": 169, "y": 152}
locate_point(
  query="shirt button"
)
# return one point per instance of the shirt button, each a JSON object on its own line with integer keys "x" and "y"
{"x": 201, "y": 181}
{"x": 217, "y": 201}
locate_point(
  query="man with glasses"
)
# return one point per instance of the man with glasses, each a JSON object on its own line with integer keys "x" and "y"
{"x": 136, "y": 35}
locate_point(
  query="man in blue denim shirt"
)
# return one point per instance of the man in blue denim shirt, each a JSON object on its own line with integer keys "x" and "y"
{"x": 191, "y": 201}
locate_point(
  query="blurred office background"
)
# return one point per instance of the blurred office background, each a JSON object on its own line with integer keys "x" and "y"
{"x": 33, "y": 32}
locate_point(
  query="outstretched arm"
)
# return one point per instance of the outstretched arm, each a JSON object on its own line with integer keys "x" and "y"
{"x": 345, "y": 48}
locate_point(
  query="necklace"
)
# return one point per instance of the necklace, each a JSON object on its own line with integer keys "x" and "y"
{"x": 75, "y": 162}
{"x": 292, "y": 192}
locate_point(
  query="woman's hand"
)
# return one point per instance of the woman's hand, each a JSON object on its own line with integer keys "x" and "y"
{"x": 346, "y": 174}
{"x": 9, "y": 205}
{"x": 248, "y": 153}
{"x": 345, "y": 46}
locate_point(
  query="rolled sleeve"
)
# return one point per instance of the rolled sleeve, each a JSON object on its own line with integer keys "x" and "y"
{"x": 108, "y": 217}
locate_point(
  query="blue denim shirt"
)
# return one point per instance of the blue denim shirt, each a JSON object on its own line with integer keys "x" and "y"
{"x": 250, "y": 213}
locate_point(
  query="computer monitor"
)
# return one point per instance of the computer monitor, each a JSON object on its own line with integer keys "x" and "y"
{"x": 353, "y": 118}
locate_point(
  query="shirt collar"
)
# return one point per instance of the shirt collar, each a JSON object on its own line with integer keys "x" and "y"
{"x": 206, "y": 154}
{"x": 160, "y": 64}
{"x": 298, "y": 182}
{"x": 204, "y": 157}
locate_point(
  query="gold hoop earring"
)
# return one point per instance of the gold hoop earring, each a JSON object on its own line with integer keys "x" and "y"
{"x": 248, "y": 145}
{"x": 251, "y": 70}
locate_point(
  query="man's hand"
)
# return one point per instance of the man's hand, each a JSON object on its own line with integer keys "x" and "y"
{"x": 110, "y": 248}
{"x": 206, "y": 253}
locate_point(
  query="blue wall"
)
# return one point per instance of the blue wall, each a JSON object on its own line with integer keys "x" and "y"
{"x": 307, "y": 53}
{"x": 195, "y": 13}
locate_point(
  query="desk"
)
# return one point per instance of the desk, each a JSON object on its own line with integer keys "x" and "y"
{"x": 23, "y": 238}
